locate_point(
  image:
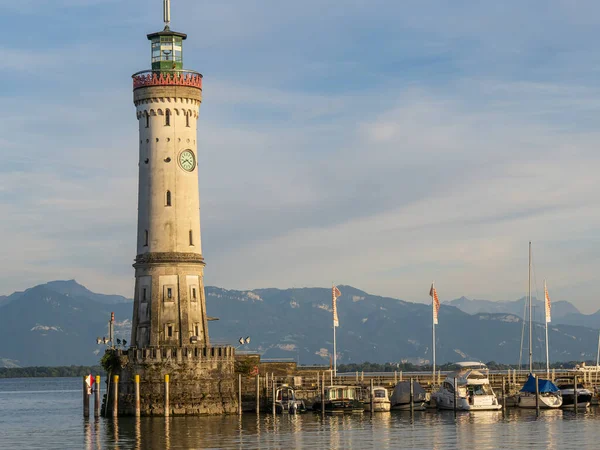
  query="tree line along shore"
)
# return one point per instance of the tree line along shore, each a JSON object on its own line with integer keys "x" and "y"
{"x": 80, "y": 371}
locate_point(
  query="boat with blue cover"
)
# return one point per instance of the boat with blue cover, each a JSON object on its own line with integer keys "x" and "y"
{"x": 549, "y": 394}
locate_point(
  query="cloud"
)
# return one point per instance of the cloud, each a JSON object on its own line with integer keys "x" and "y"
{"x": 382, "y": 145}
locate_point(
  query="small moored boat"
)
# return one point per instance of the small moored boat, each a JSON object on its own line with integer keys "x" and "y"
{"x": 549, "y": 397}
{"x": 339, "y": 399}
{"x": 381, "y": 402}
{"x": 286, "y": 402}
{"x": 584, "y": 396}
{"x": 401, "y": 396}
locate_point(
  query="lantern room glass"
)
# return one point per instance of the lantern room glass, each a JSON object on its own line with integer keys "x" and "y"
{"x": 165, "y": 50}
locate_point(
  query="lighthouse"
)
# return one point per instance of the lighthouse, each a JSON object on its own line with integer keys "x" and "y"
{"x": 169, "y": 302}
{"x": 171, "y": 368}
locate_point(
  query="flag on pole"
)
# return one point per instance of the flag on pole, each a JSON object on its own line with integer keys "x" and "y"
{"x": 548, "y": 306}
{"x": 436, "y": 303}
{"x": 335, "y": 293}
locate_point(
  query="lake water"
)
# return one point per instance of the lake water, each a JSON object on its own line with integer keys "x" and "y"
{"x": 46, "y": 413}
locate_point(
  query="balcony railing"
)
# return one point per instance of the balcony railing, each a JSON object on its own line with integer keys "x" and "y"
{"x": 147, "y": 78}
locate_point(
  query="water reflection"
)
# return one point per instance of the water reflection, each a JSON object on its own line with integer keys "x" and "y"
{"x": 425, "y": 429}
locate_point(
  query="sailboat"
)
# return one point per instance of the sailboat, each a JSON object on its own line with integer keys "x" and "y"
{"x": 549, "y": 395}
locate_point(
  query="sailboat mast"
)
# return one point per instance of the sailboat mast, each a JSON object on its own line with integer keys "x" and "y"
{"x": 530, "y": 320}
{"x": 598, "y": 355}
{"x": 547, "y": 357}
{"x": 433, "y": 334}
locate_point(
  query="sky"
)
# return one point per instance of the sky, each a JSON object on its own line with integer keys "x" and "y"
{"x": 378, "y": 144}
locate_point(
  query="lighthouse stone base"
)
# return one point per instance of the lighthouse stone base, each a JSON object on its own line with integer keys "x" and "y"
{"x": 202, "y": 381}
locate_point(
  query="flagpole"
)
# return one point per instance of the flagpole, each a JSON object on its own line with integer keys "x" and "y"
{"x": 334, "y": 354}
{"x": 546, "y": 305}
{"x": 433, "y": 330}
{"x": 334, "y": 343}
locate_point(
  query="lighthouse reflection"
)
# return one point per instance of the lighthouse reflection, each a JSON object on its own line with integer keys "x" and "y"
{"x": 424, "y": 429}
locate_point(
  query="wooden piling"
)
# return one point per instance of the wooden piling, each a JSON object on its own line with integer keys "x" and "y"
{"x": 323, "y": 395}
{"x": 400, "y": 375}
{"x": 537, "y": 395}
{"x": 395, "y": 377}
{"x": 412, "y": 395}
{"x": 455, "y": 395}
{"x": 97, "y": 397}
{"x": 86, "y": 399}
{"x": 575, "y": 394}
{"x": 372, "y": 399}
{"x": 136, "y": 385}
{"x": 273, "y": 397}
{"x": 167, "y": 405}
{"x": 504, "y": 394}
{"x": 257, "y": 394}
{"x": 115, "y": 409}
{"x": 240, "y": 394}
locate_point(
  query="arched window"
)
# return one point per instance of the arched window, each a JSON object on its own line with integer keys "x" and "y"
{"x": 145, "y": 238}
{"x": 191, "y": 238}
{"x": 168, "y": 198}
{"x": 147, "y": 118}
{"x": 187, "y": 119}
{"x": 168, "y": 117}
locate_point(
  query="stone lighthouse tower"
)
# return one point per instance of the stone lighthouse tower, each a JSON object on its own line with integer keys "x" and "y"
{"x": 169, "y": 298}
{"x": 169, "y": 337}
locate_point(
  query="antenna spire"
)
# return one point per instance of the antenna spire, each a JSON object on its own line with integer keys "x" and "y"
{"x": 167, "y": 12}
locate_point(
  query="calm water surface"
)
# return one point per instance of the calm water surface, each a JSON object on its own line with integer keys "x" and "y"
{"x": 47, "y": 414}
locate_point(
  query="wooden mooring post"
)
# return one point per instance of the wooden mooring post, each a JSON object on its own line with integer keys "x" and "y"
{"x": 504, "y": 394}
{"x": 257, "y": 394}
{"x": 167, "y": 406}
{"x": 537, "y": 395}
{"x": 273, "y": 397}
{"x": 412, "y": 396}
{"x": 86, "y": 398}
{"x": 455, "y": 395}
{"x": 323, "y": 395}
{"x": 372, "y": 399}
{"x": 137, "y": 395}
{"x": 97, "y": 397}
{"x": 240, "y": 394}
{"x": 115, "y": 408}
{"x": 575, "y": 394}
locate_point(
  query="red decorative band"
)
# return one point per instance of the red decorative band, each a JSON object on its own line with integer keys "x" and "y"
{"x": 146, "y": 79}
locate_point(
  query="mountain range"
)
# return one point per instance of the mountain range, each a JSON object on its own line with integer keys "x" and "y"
{"x": 57, "y": 323}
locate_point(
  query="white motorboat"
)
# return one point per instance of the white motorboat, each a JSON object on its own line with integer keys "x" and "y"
{"x": 286, "y": 402}
{"x": 401, "y": 396}
{"x": 584, "y": 396}
{"x": 550, "y": 397}
{"x": 473, "y": 390}
{"x": 381, "y": 402}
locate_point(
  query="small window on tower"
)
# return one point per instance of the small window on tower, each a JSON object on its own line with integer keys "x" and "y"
{"x": 145, "y": 238}
{"x": 187, "y": 119}
{"x": 168, "y": 117}
{"x": 191, "y": 238}
{"x": 193, "y": 293}
{"x": 147, "y": 117}
{"x": 168, "y": 199}
{"x": 169, "y": 293}
{"x": 197, "y": 330}
{"x": 169, "y": 330}
{"x": 144, "y": 295}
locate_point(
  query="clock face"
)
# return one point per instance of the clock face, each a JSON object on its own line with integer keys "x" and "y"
{"x": 187, "y": 160}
